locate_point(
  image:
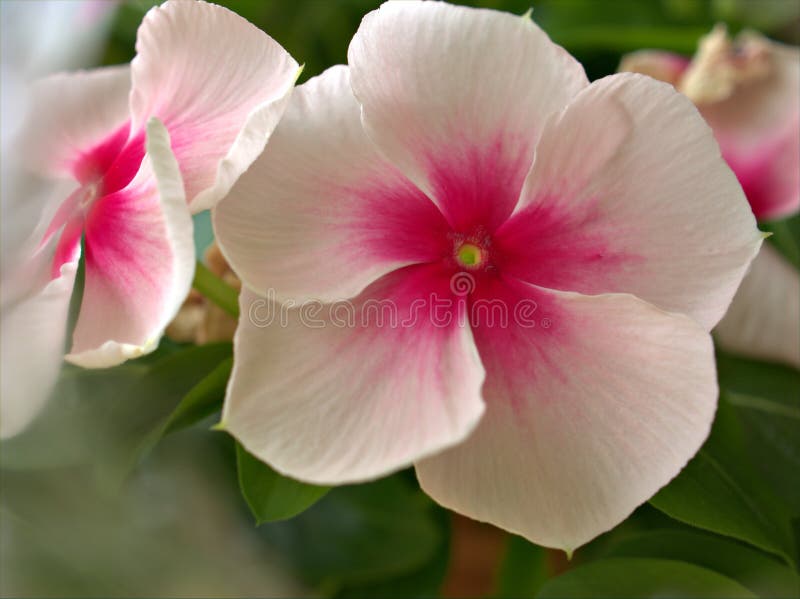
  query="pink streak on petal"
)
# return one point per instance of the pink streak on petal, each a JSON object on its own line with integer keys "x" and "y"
{"x": 479, "y": 185}
{"x": 117, "y": 240}
{"x": 549, "y": 246}
{"x": 115, "y": 160}
{"x": 126, "y": 165}
{"x": 92, "y": 164}
{"x": 515, "y": 354}
{"x": 395, "y": 221}
{"x": 129, "y": 264}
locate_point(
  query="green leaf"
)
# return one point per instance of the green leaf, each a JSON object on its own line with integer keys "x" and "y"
{"x": 767, "y": 399}
{"x": 759, "y": 572}
{"x": 743, "y": 376}
{"x": 523, "y": 570}
{"x": 420, "y": 583}
{"x": 272, "y": 496}
{"x": 641, "y": 577}
{"x": 202, "y": 400}
{"x": 719, "y": 491}
{"x": 360, "y": 535}
{"x": 785, "y": 237}
{"x": 139, "y": 414}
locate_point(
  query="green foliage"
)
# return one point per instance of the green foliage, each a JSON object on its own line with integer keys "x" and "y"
{"x": 641, "y": 577}
{"x": 523, "y": 569}
{"x": 760, "y": 573}
{"x": 766, "y": 398}
{"x": 270, "y": 495}
{"x": 720, "y": 491}
{"x": 785, "y": 237}
{"x": 360, "y": 538}
{"x": 421, "y": 582}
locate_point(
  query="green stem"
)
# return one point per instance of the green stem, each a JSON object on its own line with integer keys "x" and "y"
{"x": 216, "y": 290}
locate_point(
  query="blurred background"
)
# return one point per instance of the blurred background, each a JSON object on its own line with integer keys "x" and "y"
{"x": 80, "y": 517}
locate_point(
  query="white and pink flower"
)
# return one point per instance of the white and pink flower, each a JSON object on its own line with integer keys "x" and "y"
{"x": 128, "y": 153}
{"x": 748, "y": 90}
{"x": 464, "y": 141}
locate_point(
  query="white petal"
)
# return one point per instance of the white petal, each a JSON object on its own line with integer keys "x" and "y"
{"x": 321, "y": 214}
{"x": 329, "y": 403}
{"x": 629, "y": 194}
{"x": 457, "y": 97}
{"x": 588, "y": 414}
{"x": 764, "y": 320}
{"x": 218, "y": 83}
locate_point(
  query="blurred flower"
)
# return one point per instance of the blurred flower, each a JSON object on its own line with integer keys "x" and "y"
{"x": 748, "y": 90}
{"x": 38, "y": 38}
{"x": 405, "y": 182}
{"x": 218, "y": 85}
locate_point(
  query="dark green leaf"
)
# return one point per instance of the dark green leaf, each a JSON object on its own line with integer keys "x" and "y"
{"x": 719, "y": 491}
{"x": 759, "y": 572}
{"x": 785, "y": 237}
{"x": 142, "y": 409}
{"x": 360, "y": 535}
{"x": 767, "y": 399}
{"x": 641, "y": 577}
{"x": 420, "y": 583}
{"x": 759, "y": 379}
{"x": 270, "y": 495}
{"x": 203, "y": 399}
{"x": 523, "y": 569}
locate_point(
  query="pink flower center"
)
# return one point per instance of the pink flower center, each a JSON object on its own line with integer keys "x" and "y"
{"x": 101, "y": 171}
{"x": 88, "y": 194}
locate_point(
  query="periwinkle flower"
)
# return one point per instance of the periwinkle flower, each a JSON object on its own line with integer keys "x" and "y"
{"x": 129, "y": 153}
{"x": 463, "y": 145}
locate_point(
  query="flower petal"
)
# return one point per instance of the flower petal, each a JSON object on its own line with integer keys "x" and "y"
{"x": 589, "y": 412}
{"x": 139, "y": 261}
{"x": 72, "y": 113}
{"x": 321, "y": 214}
{"x": 457, "y": 97}
{"x": 758, "y": 129}
{"x": 218, "y": 83}
{"x": 327, "y": 402}
{"x": 33, "y": 334}
{"x": 629, "y": 194}
{"x": 763, "y": 320}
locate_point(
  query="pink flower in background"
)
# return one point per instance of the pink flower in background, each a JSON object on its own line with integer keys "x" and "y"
{"x": 136, "y": 149}
{"x": 748, "y": 90}
{"x": 462, "y": 141}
